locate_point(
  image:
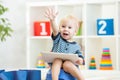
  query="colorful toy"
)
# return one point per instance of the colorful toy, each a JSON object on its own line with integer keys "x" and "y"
{"x": 106, "y": 63}
{"x": 42, "y": 28}
{"x": 40, "y": 62}
{"x": 92, "y": 63}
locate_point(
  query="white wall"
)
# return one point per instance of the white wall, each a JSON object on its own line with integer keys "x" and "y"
{"x": 13, "y": 51}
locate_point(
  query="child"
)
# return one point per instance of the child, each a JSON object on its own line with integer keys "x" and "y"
{"x": 63, "y": 43}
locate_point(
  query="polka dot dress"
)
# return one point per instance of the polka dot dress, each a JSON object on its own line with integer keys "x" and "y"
{"x": 60, "y": 45}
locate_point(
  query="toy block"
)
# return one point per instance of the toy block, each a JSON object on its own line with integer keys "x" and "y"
{"x": 42, "y": 28}
{"x": 105, "y": 26}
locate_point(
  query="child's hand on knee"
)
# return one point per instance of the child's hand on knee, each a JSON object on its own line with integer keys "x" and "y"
{"x": 79, "y": 61}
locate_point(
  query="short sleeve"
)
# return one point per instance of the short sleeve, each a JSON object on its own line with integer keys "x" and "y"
{"x": 55, "y": 38}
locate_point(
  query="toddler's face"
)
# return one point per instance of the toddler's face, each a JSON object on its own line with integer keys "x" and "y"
{"x": 68, "y": 29}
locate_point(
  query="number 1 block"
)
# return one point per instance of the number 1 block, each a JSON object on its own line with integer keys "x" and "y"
{"x": 42, "y": 28}
{"x": 105, "y": 27}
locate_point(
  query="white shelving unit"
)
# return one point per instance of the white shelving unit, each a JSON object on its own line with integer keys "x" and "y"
{"x": 118, "y": 23}
{"x": 94, "y": 42}
{"x": 88, "y": 12}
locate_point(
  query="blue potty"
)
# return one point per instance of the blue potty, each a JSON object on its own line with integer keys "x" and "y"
{"x": 63, "y": 75}
{"x": 9, "y": 75}
{"x": 31, "y": 74}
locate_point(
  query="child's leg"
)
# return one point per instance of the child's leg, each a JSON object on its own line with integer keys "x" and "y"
{"x": 56, "y": 66}
{"x": 69, "y": 67}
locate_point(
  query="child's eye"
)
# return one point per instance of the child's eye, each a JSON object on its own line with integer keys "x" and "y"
{"x": 63, "y": 26}
{"x": 69, "y": 27}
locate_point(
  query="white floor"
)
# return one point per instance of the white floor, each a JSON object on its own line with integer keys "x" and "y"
{"x": 94, "y": 75}
{"x": 104, "y": 78}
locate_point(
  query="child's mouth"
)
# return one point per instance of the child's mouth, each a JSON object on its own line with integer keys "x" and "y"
{"x": 65, "y": 34}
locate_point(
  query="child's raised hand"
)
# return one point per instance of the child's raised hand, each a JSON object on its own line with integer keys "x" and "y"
{"x": 51, "y": 13}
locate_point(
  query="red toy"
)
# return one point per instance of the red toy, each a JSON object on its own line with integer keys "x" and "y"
{"x": 41, "y": 28}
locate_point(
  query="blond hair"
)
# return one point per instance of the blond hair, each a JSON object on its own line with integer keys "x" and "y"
{"x": 70, "y": 17}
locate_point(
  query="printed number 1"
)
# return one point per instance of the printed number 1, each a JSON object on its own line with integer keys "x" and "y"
{"x": 43, "y": 27}
{"x": 102, "y": 29}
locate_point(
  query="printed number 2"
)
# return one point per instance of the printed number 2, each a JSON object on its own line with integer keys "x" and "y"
{"x": 105, "y": 26}
{"x": 102, "y": 29}
{"x": 43, "y": 27}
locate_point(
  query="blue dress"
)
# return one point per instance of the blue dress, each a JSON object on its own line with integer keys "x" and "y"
{"x": 60, "y": 45}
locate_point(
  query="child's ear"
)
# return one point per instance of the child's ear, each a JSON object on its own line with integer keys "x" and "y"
{"x": 77, "y": 28}
{"x": 79, "y": 25}
{"x": 76, "y": 31}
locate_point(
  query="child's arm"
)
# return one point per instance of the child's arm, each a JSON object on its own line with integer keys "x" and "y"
{"x": 51, "y": 15}
{"x": 81, "y": 58}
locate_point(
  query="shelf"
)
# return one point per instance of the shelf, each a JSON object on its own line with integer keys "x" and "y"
{"x": 41, "y": 37}
{"x": 49, "y": 37}
{"x": 100, "y": 1}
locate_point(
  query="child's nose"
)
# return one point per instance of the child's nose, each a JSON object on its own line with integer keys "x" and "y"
{"x": 66, "y": 28}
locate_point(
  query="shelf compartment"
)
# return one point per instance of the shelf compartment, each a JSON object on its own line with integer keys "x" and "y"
{"x": 35, "y": 47}
{"x": 95, "y": 48}
{"x": 96, "y": 11}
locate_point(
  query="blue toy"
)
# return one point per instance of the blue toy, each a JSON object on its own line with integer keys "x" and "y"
{"x": 63, "y": 75}
{"x": 105, "y": 26}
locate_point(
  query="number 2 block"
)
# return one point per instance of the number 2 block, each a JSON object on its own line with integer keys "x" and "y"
{"x": 105, "y": 27}
{"x": 42, "y": 28}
